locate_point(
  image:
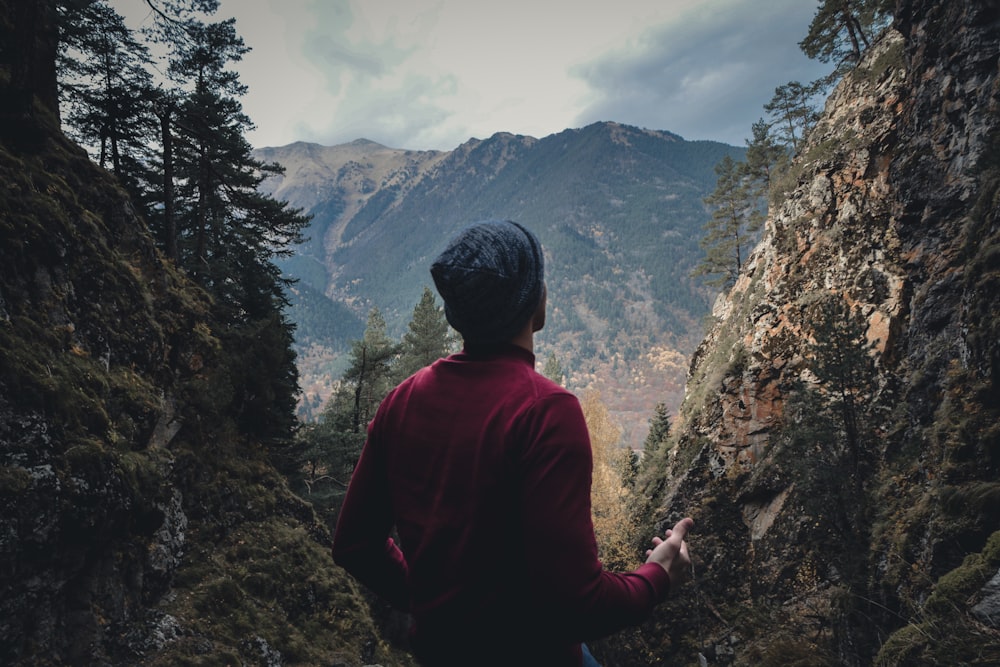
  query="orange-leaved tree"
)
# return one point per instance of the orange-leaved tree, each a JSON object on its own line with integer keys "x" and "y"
{"x": 613, "y": 524}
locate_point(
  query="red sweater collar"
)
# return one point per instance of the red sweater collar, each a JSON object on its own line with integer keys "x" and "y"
{"x": 496, "y": 351}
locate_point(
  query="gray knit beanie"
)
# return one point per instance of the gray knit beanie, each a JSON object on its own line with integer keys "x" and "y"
{"x": 490, "y": 277}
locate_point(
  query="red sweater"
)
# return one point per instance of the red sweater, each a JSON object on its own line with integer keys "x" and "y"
{"x": 484, "y": 466}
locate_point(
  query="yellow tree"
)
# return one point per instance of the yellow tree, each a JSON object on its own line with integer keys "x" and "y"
{"x": 613, "y": 524}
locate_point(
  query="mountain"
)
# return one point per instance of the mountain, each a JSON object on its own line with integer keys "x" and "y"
{"x": 839, "y": 443}
{"x": 618, "y": 209}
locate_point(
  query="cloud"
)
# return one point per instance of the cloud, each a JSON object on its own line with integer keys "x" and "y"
{"x": 425, "y": 74}
{"x": 375, "y": 80}
{"x": 706, "y": 74}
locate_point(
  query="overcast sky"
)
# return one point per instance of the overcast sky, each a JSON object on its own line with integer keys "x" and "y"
{"x": 430, "y": 74}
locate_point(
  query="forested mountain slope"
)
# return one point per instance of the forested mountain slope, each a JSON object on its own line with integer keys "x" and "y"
{"x": 618, "y": 209}
{"x": 839, "y": 443}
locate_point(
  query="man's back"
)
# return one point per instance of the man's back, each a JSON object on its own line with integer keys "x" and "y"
{"x": 461, "y": 441}
{"x": 486, "y": 466}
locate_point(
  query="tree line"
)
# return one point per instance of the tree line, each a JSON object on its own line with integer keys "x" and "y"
{"x": 160, "y": 108}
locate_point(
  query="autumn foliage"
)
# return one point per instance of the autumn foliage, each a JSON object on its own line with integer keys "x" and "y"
{"x": 613, "y": 524}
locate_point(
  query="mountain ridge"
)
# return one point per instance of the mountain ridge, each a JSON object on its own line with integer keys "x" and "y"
{"x": 618, "y": 209}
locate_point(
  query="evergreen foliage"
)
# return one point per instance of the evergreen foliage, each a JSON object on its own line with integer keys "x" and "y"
{"x": 793, "y": 112}
{"x": 553, "y": 369}
{"x": 842, "y": 29}
{"x": 106, "y": 91}
{"x": 765, "y": 157}
{"x": 181, "y": 152}
{"x": 659, "y": 431}
{"x": 730, "y": 232}
{"x": 320, "y": 463}
{"x": 427, "y": 339}
{"x": 743, "y": 189}
{"x": 370, "y": 373}
{"x": 845, "y": 371}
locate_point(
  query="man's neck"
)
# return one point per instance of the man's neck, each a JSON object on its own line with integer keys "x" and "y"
{"x": 525, "y": 339}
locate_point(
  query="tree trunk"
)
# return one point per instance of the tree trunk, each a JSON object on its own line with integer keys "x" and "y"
{"x": 357, "y": 393}
{"x": 201, "y": 253}
{"x": 849, "y": 23}
{"x": 169, "y": 223}
{"x": 30, "y": 33}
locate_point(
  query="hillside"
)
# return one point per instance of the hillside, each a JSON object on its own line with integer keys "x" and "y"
{"x": 618, "y": 209}
{"x": 139, "y": 523}
{"x": 839, "y": 446}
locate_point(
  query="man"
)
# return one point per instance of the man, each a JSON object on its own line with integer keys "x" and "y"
{"x": 483, "y": 467}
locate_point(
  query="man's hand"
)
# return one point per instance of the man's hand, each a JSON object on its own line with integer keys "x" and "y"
{"x": 672, "y": 553}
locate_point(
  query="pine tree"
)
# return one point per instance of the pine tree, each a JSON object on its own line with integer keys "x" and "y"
{"x": 735, "y": 217}
{"x": 105, "y": 89}
{"x": 320, "y": 463}
{"x": 793, "y": 112}
{"x": 845, "y": 370}
{"x": 764, "y": 157}
{"x": 204, "y": 206}
{"x": 842, "y": 29}
{"x": 659, "y": 431}
{"x": 370, "y": 374}
{"x": 553, "y": 370}
{"x": 325, "y": 453}
{"x": 427, "y": 338}
{"x": 228, "y": 233}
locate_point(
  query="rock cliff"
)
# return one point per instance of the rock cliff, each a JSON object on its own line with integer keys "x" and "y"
{"x": 839, "y": 443}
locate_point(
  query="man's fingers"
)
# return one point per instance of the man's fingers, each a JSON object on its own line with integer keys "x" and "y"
{"x": 682, "y": 527}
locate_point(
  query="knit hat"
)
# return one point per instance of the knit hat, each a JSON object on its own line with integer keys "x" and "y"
{"x": 490, "y": 277}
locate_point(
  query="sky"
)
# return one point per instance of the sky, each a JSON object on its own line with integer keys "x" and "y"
{"x": 431, "y": 74}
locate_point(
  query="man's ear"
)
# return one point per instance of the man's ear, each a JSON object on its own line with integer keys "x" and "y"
{"x": 538, "y": 319}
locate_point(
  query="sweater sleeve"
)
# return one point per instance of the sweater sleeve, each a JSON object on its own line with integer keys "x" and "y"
{"x": 361, "y": 542}
{"x": 559, "y": 539}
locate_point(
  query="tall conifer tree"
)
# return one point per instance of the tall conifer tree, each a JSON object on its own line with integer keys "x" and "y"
{"x": 729, "y": 233}
{"x": 211, "y": 218}
{"x": 793, "y": 112}
{"x": 105, "y": 89}
{"x": 427, "y": 338}
{"x": 228, "y": 232}
{"x": 370, "y": 375}
{"x": 764, "y": 157}
{"x": 659, "y": 431}
{"x": 843, "y": 366}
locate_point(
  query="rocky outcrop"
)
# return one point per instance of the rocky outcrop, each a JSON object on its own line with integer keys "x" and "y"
{"x": 838, "y": 445}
